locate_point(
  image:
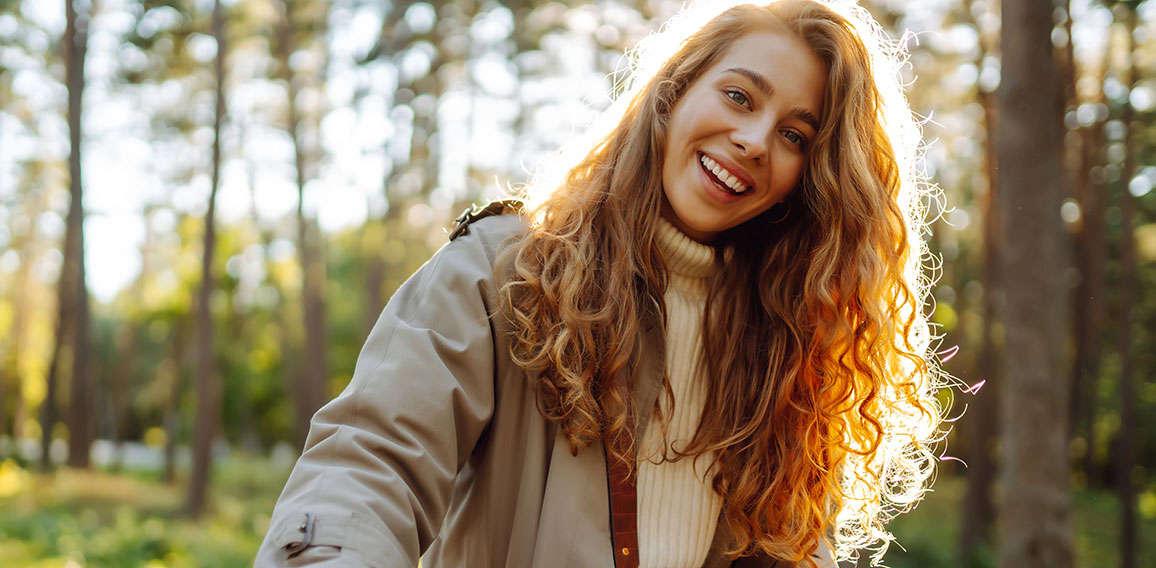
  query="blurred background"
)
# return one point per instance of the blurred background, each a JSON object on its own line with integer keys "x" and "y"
{"x": 204, "y": 206}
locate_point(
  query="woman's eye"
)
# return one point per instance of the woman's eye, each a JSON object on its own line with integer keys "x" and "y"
{"x": 795, "y": 138}
{"x": 738, "y": 97}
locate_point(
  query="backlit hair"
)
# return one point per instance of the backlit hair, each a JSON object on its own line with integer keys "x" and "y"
{"x": 821, "y": 407}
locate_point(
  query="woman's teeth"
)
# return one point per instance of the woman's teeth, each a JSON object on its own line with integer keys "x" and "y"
{"x": 728, "y": 179}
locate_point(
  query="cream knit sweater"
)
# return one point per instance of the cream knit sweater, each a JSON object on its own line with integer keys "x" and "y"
{"x": 677, "y": 509}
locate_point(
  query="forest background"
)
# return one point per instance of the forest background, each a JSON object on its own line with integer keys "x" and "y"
{"x": 204, "y": 205}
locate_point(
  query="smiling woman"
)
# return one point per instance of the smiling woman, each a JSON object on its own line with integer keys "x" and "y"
{"x": 704, "y": 346}
{"x": 737, "y": 140}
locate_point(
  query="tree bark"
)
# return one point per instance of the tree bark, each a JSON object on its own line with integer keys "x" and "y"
{"x": 372, "y": 241}
{"x": 119, "y": 385}
{"x": 982, "y": 418}
{"x": 1126, "y": 456}
{"x": 172, "y": 418}
{"x": 208, "y": 384}
{"x": 979, "y": 425}
{"x": 48, "y": 408}
{"x": 80, "y": 407}
{"x": 311, "y": 392}
{"x": 379, "y": 228}
{"x": 1094, "y": 226}
{"x": 1034, "y": 511}
{"x": 1090, "y": 304}
{"x": 1077, "y": 154}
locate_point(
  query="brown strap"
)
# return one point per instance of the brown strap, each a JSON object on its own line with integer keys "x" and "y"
{"x": 623, "y": 505}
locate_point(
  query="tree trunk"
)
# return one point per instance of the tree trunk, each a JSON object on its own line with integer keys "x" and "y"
{"x": 120, "y": 383}
{"x": 80, "y": 406}
{"x": 372, "y": 241}
{"x": 982, "y": 418}
{"x": 1097, "y": 237}
{"x": 311, "y": 392}
{"x": 1126, "y": 458}
{"x": 1033, "y": 518}
{"x": 380, "y": 228}
{"x": 1078, "y": 154}
{"x": 172, "y": 418}
{"x": 1091, "y": 255}
{"x": 979, "y": 425}
{"x": 48, "y": 408}
{"x": 208, "y": 385}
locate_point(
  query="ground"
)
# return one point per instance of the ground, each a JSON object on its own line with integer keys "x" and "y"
{"x": 100, "y": 519}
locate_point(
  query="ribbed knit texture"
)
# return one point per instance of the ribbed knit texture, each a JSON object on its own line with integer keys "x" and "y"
{"x": 677, "y": 509}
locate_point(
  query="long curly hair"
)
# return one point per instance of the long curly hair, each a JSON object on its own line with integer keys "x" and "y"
{"x": 821, "y": 411}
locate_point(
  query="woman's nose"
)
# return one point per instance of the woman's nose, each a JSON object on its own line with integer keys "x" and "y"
{"x": 751, "y": 141}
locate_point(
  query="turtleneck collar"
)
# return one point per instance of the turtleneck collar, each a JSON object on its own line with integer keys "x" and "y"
{"x": 684, "y": 256}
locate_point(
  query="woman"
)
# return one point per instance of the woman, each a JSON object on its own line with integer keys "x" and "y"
{"x": 705, "y": 347}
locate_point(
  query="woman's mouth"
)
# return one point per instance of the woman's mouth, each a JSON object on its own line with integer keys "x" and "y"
{"x": 722, "y": 177}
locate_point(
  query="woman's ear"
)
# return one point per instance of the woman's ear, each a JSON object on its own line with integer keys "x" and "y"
{"x": 779, "y": 212}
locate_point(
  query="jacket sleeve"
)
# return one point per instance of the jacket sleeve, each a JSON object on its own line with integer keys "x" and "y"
{"x": 374, "y": 482}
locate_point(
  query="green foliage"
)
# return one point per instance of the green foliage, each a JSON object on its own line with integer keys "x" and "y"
{"x": 928, "y": 535}
{"x": 102, "y": 520}
{"x": 133, "y": 519}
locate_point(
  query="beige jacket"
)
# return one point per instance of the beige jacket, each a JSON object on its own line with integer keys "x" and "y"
{"x": 437, "y": 447}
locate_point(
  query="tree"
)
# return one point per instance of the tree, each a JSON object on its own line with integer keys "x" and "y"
{"x": 73, "y": 290}
{"x": 980, "y": 425}
{"x": 208, "y": 384}
{"x": 171, "y": 417}
{"x": 375, "y": 228}
{"x": 1126, "y": 448}
{"x": 311, "y": 393}
{"x": 1091, "y": 254}
{"x": 1033, "y": 516}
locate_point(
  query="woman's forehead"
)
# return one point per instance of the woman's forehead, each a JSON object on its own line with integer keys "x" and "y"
{"x": 776, "y": 65}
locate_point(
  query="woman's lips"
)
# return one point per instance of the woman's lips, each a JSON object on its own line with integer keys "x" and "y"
{"x": 734, "y": 180}
{"x": 716, "y": 189}
{"x": 715, "y": 181}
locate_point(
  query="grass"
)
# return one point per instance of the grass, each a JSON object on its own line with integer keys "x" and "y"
{"x": 69, "y": 519}
{"x": 99, "y": 519}
{"x": 927, "y": 537}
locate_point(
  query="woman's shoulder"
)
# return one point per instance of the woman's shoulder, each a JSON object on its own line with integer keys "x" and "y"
{"x": 473, "y": 249}
{"x": 466, "y": 266}
{"x": 490, "y": 227}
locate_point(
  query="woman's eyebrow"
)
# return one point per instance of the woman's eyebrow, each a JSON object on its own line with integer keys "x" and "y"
{"x": 761, "y": 83}
{"x": 806, "y": 116}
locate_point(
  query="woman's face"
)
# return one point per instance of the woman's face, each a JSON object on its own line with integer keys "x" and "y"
{"x": 737, "y": 140}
